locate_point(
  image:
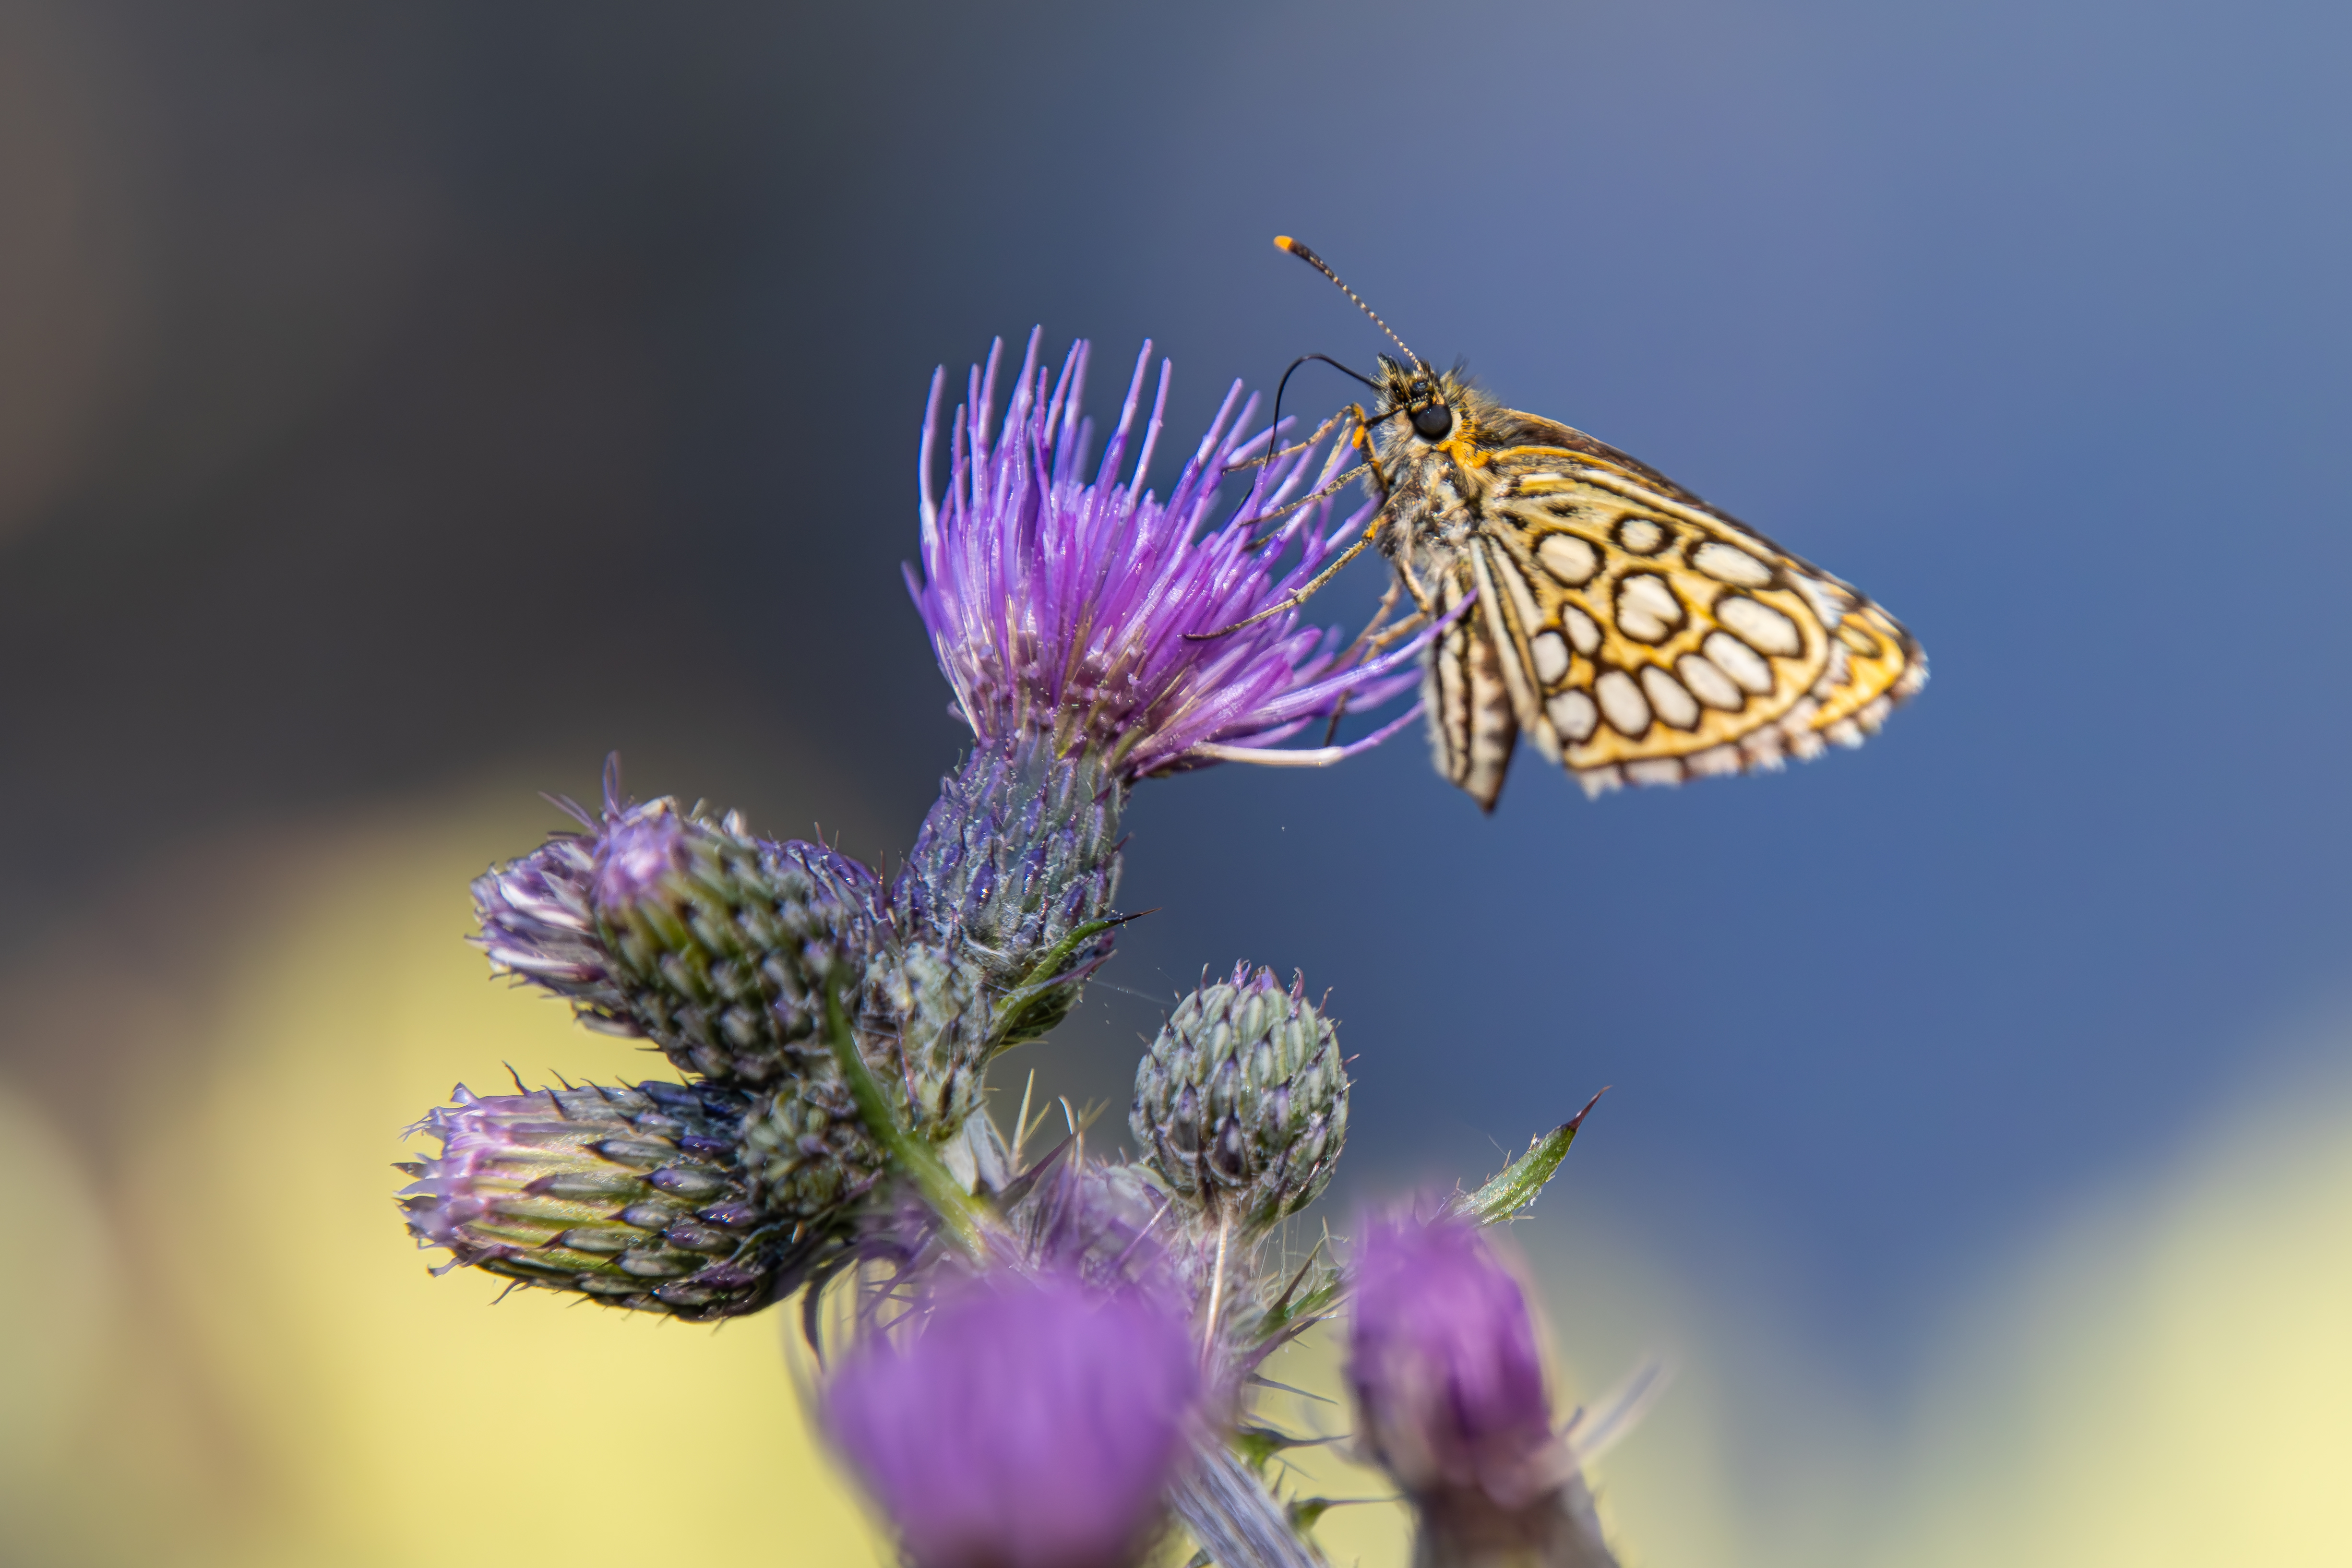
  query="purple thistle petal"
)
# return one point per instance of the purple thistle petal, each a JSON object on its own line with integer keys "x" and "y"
{"x": 1448, "y": 1378}
{"x": 1061, "y": 607}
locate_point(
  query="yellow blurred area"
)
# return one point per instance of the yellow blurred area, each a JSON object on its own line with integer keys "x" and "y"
{"x": 256, "y": 1368}
{"x": 226, "y": 1350}
{"x": 2168, "y": 1379}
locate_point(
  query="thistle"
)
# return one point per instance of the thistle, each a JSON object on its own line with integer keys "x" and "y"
{"x": 1070, "y": 618}
{"x": 631, "y": 1196}
{"x": 1241, "y": 1103}
{"x": 1020, "y": 1422}
{"x": 1047, "y": 1360}
{"x": 684, "y": 930}
{"x": 1450, "y": 1399}
{"x": 1080, "y": 612}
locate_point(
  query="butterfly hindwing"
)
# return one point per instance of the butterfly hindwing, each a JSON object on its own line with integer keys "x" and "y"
{"x": 1473, "y": 723}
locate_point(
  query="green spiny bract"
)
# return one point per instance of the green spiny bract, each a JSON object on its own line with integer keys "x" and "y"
{"x": 674, "y": 927}
{"x": 1241, "y": 1104}
{"x": 923, "y": 1031}
{"x": 723, "y": 945}
{"x": 633, "y": 1197}
{"x": 1018, "y": 857}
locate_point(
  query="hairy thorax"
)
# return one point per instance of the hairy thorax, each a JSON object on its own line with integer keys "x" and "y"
{"x": 1437, "y": 494}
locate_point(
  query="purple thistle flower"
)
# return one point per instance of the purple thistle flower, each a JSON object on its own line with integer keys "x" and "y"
{"x": 1059, "y": 607}
{"x": 1026, "y": 1423}
{"x": 1447, "y": 1375}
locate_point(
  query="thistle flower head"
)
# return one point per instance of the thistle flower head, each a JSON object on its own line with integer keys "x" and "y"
{"x": 1241, "y": 1102}
{"x": 1447, "y": 1375}
{"x": 629, "y": 1196}
{"x": 681, "y": 928}
{"x": 1024, "y": 1422}
{"x": 1059, "y": 605}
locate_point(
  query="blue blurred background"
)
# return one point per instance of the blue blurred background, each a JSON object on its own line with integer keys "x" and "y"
{"x": 401, "y": 407}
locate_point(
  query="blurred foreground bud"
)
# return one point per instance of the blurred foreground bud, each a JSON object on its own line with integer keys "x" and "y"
{"x": 715, "y": 945}
{"x": 1025, "y": 1423}
{"x": 1241, "y": 1104}
{"x": 631, "y": 1196}
{"x": 1449, "y": 1387}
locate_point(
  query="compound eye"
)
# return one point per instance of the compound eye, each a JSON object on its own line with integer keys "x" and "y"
{"x": 1433, "y": 422}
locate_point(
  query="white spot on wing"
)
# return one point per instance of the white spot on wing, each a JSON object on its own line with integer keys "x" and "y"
{"x": 1642, "y": 535}
{"x": 1627, "y": 710}
{"x": 1829, "y": 601}
{"x": 1572, "y": 714}
{"x": 1727, "y": 563}
{"x": 1672, "y": 703}
{"x": 1647, "y": 609}
{"x": 1571, "y": 560}
{"x": 1655, "y": 770}
{"x": 1759, "y": 624}
{"x": 1550, "y": 656}
{"x": 1739, "y": 661}
{"x": 1581, "y": 631}
{"x": 1709, "y": 684}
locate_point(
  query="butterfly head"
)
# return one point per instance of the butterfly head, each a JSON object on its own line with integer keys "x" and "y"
{"x": 1430, "y": 403}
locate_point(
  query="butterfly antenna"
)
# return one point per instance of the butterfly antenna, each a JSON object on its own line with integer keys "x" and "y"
{"x": 1299, "y": 249}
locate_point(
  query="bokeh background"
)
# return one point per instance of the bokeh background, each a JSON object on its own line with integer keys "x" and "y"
{"x": 402, "y": 405}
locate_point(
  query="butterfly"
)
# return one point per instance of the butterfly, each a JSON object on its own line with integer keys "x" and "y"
{"x": 1632, "y": 632}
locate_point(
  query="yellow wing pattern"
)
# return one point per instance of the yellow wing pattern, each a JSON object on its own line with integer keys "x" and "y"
{"x": 1646, "y": 639}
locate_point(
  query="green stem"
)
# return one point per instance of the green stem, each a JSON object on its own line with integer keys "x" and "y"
{"x": 965, "y": 1217}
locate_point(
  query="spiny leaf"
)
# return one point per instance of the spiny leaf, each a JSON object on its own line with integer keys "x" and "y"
{"x": 1517, "y": 1183}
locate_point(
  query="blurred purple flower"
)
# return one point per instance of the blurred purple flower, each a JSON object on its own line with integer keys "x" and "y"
{"x": 1448, "y": 1379}
{"x": 1027, "y": 1422}
{"x": 1060, "y": 607}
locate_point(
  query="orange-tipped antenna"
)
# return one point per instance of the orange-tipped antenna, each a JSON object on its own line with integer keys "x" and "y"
{"x": 1298, "y": 249}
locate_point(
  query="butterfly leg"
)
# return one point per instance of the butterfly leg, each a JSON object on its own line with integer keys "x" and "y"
{"x": 1423, "y": 599}
{"x": 1361, "y": 440}
{"x": 1334, "y": 488}
{"x": 1264, "y": 458}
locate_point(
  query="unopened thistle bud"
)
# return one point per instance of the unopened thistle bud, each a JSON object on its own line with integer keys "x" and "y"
{"x": 1450, "y": 1399}
{"x": 1241, "y": 1104}
{"x": 633, "y": 1197}
{"x": 668, "y": 924}
{"x": 1021, "y": 850}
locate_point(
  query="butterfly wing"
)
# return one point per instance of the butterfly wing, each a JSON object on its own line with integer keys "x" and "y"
{"x": 1642, "y": 636}
{"x": 1474, "y": 711}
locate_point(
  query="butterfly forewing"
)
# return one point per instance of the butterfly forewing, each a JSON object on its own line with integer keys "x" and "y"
{"x": 1644, "y": 638}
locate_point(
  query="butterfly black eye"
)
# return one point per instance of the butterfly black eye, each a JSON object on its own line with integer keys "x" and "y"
{"x": 1433, "y": 421}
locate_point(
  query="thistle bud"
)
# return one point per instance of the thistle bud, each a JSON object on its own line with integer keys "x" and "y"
{"x": 1450, "y": 1400}
{"x": 684, "y": 930}
{"x": 633, "y": 1197}
{"x": 1021, "y": 850}
{"x": 1241, "y": 1104}
{"x": 1020, "y": 1423}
